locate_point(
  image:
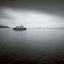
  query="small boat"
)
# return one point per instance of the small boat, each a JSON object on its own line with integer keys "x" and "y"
{"x": 19, "y": 28}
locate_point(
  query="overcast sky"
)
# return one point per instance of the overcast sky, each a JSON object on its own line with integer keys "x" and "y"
{"x": 32, "y": 13}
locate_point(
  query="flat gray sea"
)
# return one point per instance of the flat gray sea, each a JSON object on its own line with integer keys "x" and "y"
{"x": 32, "y": 46}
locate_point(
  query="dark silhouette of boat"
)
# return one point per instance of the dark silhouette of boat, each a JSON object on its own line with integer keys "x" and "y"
{"x": 19, "y": 28}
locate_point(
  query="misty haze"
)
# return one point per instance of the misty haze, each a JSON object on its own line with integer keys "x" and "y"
{"x": 31, "y": 31}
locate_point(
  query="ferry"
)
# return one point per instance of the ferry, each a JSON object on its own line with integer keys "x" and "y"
{"x": 19, "y": 28}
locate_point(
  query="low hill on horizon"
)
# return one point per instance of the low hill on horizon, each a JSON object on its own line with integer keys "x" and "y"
{"x": 1, "y": 26}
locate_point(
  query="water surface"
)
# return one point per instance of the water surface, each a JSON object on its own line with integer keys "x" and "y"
{"x": 33, "y": 46}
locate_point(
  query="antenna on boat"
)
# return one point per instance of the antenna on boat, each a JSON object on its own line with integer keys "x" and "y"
{"x": 21, "y": 25}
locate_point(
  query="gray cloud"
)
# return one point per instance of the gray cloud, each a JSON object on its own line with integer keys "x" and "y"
{"x": 15, "y": 14}
{"x": 50, "y": 6}
{"x": 4, "y": 15}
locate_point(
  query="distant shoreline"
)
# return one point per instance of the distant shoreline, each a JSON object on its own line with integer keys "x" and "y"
{"x": 3, "y": 26}
{"x": 46, "y": 28}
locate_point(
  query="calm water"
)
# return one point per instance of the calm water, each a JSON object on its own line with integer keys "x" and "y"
{"x": 33, "y": 46}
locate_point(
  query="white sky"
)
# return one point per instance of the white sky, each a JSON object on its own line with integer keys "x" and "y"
{"x": 30, "y": 18}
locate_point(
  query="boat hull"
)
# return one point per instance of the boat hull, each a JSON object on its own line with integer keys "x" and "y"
{"x": 20, "y": 29}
